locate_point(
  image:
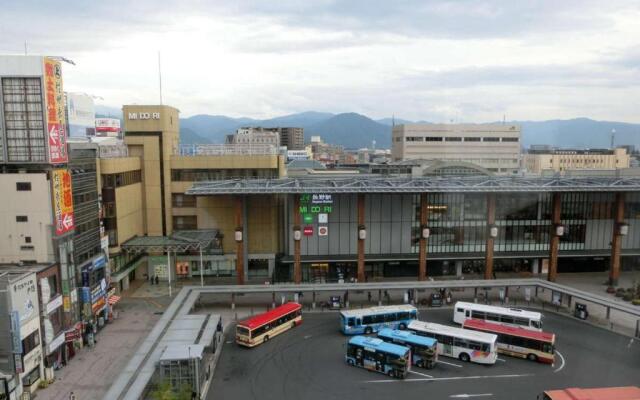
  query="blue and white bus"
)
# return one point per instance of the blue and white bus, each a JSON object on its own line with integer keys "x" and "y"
{"x": 424, "y": 350}
{"x": 371, "y": 320}
{"x": 377, "y": 355}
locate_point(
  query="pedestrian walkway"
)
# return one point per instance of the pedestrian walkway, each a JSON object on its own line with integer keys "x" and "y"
{"x": 90, "y": 373}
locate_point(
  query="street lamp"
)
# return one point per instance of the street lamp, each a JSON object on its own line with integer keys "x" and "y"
{"x": 362, "y": 232}
{"x": 623, "y": 229}
{"x": 297, "y": 234}
{"x": 425, "y": 232}
{"x": 238, "y": 235}
{"x": 559, "y": 230}
{"x": 493, "y": 231}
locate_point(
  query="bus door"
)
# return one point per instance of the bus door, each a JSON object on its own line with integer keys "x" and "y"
{"x": 447, "y": 346}
{"x": 360, "y": 357}
{"x": 467, "y": 313}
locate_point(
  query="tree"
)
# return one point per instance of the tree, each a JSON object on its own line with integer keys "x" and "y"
{"x": 164, "y": 391}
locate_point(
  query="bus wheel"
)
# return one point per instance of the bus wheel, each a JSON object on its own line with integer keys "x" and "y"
{"x": 293, "y": 325}
{"x": 420, "y": 364}
{"x": 464, "y": 357}
{"x": 532, "y": 357}
{"x": 368, "y": 330}
{"x": 266, "y": 338}
{"x": 392, "y": 373}
{"x": 350, "y": 362}
{"x": 402, "y": 326}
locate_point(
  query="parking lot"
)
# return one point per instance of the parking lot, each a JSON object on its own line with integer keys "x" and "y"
{"x": 308, "y": 363}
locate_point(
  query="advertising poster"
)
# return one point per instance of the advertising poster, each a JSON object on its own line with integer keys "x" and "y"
{"x": 82, "y": 115}
{"x": 56, "y": 120}
{"x": 62, "y": 201}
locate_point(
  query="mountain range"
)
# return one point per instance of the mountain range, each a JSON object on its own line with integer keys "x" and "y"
{"x": 354, "y": 131}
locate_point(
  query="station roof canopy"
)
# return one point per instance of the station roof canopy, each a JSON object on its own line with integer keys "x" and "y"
{"x": 180, "y": 241}
{"x": 370, "y": 184}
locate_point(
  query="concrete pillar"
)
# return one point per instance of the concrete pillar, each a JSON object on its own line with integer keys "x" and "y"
{"x": 535, "y": 264}
{"x": 273, "y": 300}
{"x": 422, "y": 257}
{"x": 491, "y": 220}
{"x": 297, "y": 267}
{"x": 360, "y": 241}
{"x": 313, "y": 303}
{"x": 554, "y": 244}
{"x": 459, "y": 268}
{"x": 379, "y": 298}
{"x": 475, "y": 295}
{"x": 271, "y": 267}
{"x": 239, "y": 211}
{"x": 506, "y": 295}
{"x": 233, "y": 301}
{"x": 616, "y": 240}
{"x": 346, "y": 301}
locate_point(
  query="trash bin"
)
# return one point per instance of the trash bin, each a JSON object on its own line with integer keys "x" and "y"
{"x": 581, "y": 311}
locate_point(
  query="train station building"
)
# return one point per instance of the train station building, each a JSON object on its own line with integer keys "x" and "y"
{"x": 267, "y": 227}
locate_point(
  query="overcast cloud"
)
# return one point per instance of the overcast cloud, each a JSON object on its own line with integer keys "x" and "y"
{"x": 460, "y": 60}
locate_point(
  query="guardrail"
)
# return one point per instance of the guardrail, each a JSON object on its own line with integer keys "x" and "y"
{"x": 135, "y": 376}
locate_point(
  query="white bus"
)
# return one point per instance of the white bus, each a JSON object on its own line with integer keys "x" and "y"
{"x": 371, "y": 320}
{"x": 463, "y": 344}
{"x": 503, "y": 315}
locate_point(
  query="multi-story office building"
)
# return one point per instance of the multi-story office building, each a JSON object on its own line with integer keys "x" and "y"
{"x": 539, "y": 159}
{"x": 494, "y": 147}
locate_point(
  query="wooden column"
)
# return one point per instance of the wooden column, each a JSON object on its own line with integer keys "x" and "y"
{"x": 616, "y": 240}
{"x": 239, "y": 243}
{"x": 297, "y": 266}
{"x": 554, "y": 243}
{"x": 422, "y": 260}
{"x": 491, "y": 220}
{"x": 360, "y": 241}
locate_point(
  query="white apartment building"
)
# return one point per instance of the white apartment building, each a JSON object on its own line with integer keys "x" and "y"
{"x": 541, "y": 158}
{"x": 494, "y": 147}
{"x": 250, "y": 135}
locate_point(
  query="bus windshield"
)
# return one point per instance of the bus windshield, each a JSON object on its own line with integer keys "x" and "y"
{"x": 240, "y": 330}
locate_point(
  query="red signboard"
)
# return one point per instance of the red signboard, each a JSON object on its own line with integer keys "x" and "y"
{"x": 56, "y": 120}
{"x": 308, "y": 231}
{"x": 62, "y": 201}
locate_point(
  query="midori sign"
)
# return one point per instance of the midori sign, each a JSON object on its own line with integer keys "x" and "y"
{"x": 143, "y": 115}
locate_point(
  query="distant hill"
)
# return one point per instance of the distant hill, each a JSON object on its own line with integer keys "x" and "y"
{"x": 352, "y": 131}
{"x": 355, "y": 130}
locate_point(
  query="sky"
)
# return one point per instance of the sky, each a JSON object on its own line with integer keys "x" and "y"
{"x": 439, "y": 61}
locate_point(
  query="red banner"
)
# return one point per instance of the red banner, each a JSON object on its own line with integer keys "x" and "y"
{"x": 54, "y": 96}
{"x": 62, "y": 201}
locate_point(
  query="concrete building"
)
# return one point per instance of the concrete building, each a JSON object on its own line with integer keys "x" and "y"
{"x": 494, "y": 147}
{"x": 292, "y": 138}
{"x": 540, "y": 159}
{"x": 144, "y": 201}
{"x": 21, "y": 351}
{"x": 256, "y": 135}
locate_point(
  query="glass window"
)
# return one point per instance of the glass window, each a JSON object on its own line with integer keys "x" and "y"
{"x": 23, "y": 186}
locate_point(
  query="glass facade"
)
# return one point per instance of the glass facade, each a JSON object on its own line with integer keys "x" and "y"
{"x": 458, "y": 224}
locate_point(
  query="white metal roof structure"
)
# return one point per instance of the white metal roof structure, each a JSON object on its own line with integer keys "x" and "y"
{"x": 447, "y": 330}
{"x": 378, "y": 310}
{"x": 479, "y": 184}
{"x": 512, "y": 312}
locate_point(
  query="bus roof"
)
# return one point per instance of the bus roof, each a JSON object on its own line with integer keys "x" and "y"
{"x": 378, "y": 310}
{"x": 379, "y": 345}
{"x": 407, "y": 336}
{"x": 514, "y": 312}
{"x": 453, "y": 331}
{"x": 270, "y": 315}
{"x": 509, "y": 330}
{"x": 613, "y": 393}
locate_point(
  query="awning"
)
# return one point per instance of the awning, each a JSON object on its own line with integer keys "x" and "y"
{"x": 113, "y": 299}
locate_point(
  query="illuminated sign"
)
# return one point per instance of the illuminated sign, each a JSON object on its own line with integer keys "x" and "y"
{"x": 308, "y": 231}
{"x": 323, "y": 231}
{"x": 316, "y": 203}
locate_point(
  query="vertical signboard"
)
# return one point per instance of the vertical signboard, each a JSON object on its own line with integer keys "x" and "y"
{"x": 56, "y": 122}
{"x": 62, "y": 201}
{"x": 81, "y": 115}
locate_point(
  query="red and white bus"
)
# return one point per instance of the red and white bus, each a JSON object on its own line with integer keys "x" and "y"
{"x": 260, "y": 328}
{"x": 518, "y": 342}
{"x": 613, "y": 393}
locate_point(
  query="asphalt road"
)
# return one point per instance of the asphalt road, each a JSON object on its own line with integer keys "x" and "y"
{"x": 308, "y": 363}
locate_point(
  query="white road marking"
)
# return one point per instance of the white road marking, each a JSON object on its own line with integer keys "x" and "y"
{"x": 229, "y": 341}
{"x": 420, "y": 373}
{"x": 448, "y": 363}
{"x": 630, "y": 343}
{"x": 452, "y": 378}
{"x": 562, "y": 362}
{"x": 307, "y": 337}
{"x": 501, "y": 359}
{"x": 468, "y": 396}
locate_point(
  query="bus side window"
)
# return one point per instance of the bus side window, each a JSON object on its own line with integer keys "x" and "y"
{"x": 536, "y": 324}
{"x": 414, "y": 314}
{"x": 366, "y": 320}
{"x": 506, "y": 320}
{"x": 521, "y": 321}
{"x": 493, "y": 317}
{"x": 478, "y": 314}
{"x": 460, "y": 310}
{"x": 351, "y": 321}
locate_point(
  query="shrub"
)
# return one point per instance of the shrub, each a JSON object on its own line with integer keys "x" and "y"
{"x": 627, "y": 297}
{"x": 636, "y": 302}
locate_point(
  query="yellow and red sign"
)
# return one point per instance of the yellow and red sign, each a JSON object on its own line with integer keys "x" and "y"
{"x": 56, "y": 120}
{"x": 62, "y": 201}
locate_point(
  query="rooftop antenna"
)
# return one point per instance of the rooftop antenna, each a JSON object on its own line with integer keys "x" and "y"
{"x": 504, "y": 119}
{"x": 25, "y": 47}
{"x": 393, "y": 120}
{"x": 160, "y": 76}
{"x": 613, "y": 137}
